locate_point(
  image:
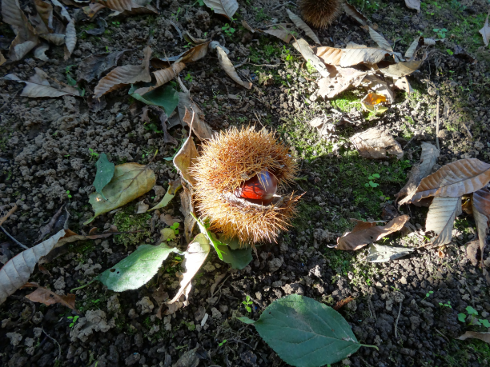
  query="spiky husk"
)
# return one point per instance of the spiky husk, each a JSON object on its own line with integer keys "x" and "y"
{"x": 320, "y": 13}
{"x": 228, "y": 160}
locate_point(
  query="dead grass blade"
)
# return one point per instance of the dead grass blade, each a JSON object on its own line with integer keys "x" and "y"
{"x": 229, "y": 69}
{"x": 377, "y": 144}
{"x": 428, "y": 159}
{"x": 440, "y": 219}
{"x": 298, "y": 22}
{"x": 48, "y": 297}
{"x": 455, "y": 179}
{"x": 224, "y": 7}
{"x": 124, "y": 75}
{"x": 485, "y": 31}
{"x": 365, "y": 233}
{"x": 476, "y": 335}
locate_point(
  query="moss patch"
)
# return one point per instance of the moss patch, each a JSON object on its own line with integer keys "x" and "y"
{"x": 126, "y": 221}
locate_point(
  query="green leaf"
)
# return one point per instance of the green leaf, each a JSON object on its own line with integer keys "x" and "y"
{"x": 237, "y": 257}
{"x": 306, "y": 333}
{"x": 485, "y": 323}
{"x": 246, "y": 320}
{"x": 137, "y": 269}
{"x": 471, "y": 311}
{"x": 130, "y": 181}
{"x": 461, "y": 317}
{"x": 105, "y": 172}
{"x": 173, "y": 187}
{"x": 164, "y": 96}
{"x": 211, "y": 237}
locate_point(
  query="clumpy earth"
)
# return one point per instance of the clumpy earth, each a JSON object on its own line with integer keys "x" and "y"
{"x": 408, "y": 308}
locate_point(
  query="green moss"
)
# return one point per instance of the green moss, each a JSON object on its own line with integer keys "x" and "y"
{"x": 126, "y": 221}
{"x": 348, "y": 101}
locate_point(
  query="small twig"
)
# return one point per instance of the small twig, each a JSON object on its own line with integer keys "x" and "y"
{"x": 13, "y": 239}
{"x": 362, "y": 359}
{"x": 258, "y": 119}
{"x": 53, "y": 339}
{"x": 11, "y": 211}
{"x": 398, "y": 318}
{"x": 444, "y": 336}
{"x": 11, "y": 99}
{"x": 437, "y": 122}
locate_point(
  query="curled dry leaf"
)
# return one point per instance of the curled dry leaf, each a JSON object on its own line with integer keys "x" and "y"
{"x": 48, "y": 297}
{"x": 196, "y": 254}
{"x": 124, "y": 75}
{"x": 187, "y": 209}
{"x": 382, "y": 253}
{"x": 39, "y": 52}
{"x": 345, "y": 78}
{"x": 476, "y": 335}
{"x": 130, "y": 181}
{"x": 354, "y": 13}
{"x": 365, "y": 233}
{"x": 224, "y": 7}
{"x": 200, "y": 127}
{"x": 375, "y": 143}
{"x": 404, "y": 84}
{"x": 355, "y": 56}
{"x": 485, "y": 31}
{"x": 455, "y": 179}
{"x": 374, "y": 83}
{"x": 298, "y": 22}
{"x": 228, "y": 67}
{"x": 305, "y": 50}
{"x": 329, "y": 55}
{"x": 195, "y": 53}
{"x": 413, "y": 47}
{"x": 481, "y": 212}
{"x": 440, "y": 219}
{"x": 95, "y": 65}
{"x": 413, "y": 4}
{"x": 173, "y": 187}
{"x": 402, "y": 68}
{"x": 183, "y": 159}
{"x": 428, "y": 159}
{"x": 281, "y": 32}
{"x": 70, "y": 39}
{"x": 370, "y": 101}
{"x": 166, "y": 75}
{"x": 380, "y": 40}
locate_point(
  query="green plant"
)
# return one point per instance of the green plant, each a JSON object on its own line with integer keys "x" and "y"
{"x": 68, "y": 194}
{"x": 371, "y": 179}
{"x": 247, "y": 303}
{"x": 448, "y": 304}
{"x": 472, "y": 319}
{"x": 441, "y": 32}
{"x": 228, "y": 29}
{"x": 174, "y": 227}
{"x": 176, "y": 15}
{"x": 93, "y": 154}
{"x": 73, "y": 320}
{"x": 188, "y": 77}
{"x": 222, "y": 343}
{"x": 427, "y": 295}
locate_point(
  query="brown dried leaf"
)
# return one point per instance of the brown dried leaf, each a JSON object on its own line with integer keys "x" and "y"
{"x": 183, "y": 159}
{"x": 472, "y": 248}
{"x": 346, "y": 78}
{"x": 225, "y": 7}
{"x": 48, "y": 297}
{"x": 95, "y": 65}
{"x": 187, "y": 208}
{"x": 283, "y": 33}
{"x": 92, "y": 9}
{"x": 481, "y": 212}
{"x": 195, "y": 53}
{"x": 355, "y": 56}
{"x": 371, "y": 100}
{"x": 455, "y": 179}
{"x": 375, "y": 143}
{"x": 298, "y": 22}
{"x": 380, "y": 40}
{"x": 440, "y": 219}
{"x": 413, "y": 4}
{"x": 413, "y": 47}
{"x": 365, "y": 233}
{"x": 228, "y": 67}
{"x": 342, "y": 303}
{"x": 123, "y": 75}
{"x": 189, "y": 38}
{"x": 404, "y": 84}
{"x": 402, "y": 68}
{"x": 428, "y": 159}
{"x": 2, "y": 59}
{"x": 64, "y": 13}
{"x": 40, "y": 52}
{"x": 166, "y": 75}
{"x": 476, "y": 335}
{"x": 200, "y": 127}
{"x": 38, "y": 86}
{"x": 354, "y": 13}
{"x": 485, "y": 31}
{"x": 305, "y": 50}
{"x": 329, "y": 55}
{"x": 57, "y": 39}
{"x": 70, "y": 39}
{"x": 374, "y": 83}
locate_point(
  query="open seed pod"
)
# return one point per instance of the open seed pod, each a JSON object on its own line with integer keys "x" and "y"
{"x": 237, "y": 175}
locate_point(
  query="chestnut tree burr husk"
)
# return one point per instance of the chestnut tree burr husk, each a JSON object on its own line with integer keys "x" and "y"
{"x": 320, "y": 13}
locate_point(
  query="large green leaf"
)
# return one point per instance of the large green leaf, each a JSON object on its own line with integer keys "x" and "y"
{"x": 306, "y": 333}
{"x": 130, "y": 181}
{"x": 105, "y": 172}
{"x": 137, "y": 269}
{"x": 238, "y": 257}
{"x": 210, "y": 235}
{"x": 164, "y": 96}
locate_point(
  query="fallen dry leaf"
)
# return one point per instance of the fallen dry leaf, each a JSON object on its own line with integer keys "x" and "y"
{"x": 224, "y": 7}
{"x": 124, "y": 75}
{"x": 440, "y": 219}
{"x": 476, "y": 335}
{"x": 374, "y": 83}
{"x": 200, "y": 127}
{"x": 163, "y": 76}
{"x": 329, "y": 87}
{"x": 455, "y": 179}
{"x": 2, "y": 59}
{"x": 195, "y": 53}
{"x": 342, "y": 303}
{"x": 187, "y": 209}
{"x": 228, "y": 67}
{"x": 184, "y": 157}
{"x": 356, "y": 56}
{"x": 48, "y": 297}
{"x": 26, "y": 38}
{"x": 481, "y": 212}
{"x": 412, "y": 48}
{"x": 472, "y": 248}
{"x": 70, "y": 39}
{"x": 95, "y": 65}
{"x": 413, "y": 4}
{"x": 428, "y": 159}
{"x": 380, "y": 40}
{"x": 370, "y": 101}
{"x": 404, "y": 84}
{"x": 365, "y": 233}
{"x": 354, "y": 13}
{"x": 281, "y": 32}
{"x": 298, "y": 22}
{"x": 375, "y": 143}
{"x": 329, "y": 55}
{"x": 305, "y": 50}
{"x": 402, "y": 68}
{"x": 40, "y": 52}
{"x": 485, "y": 31}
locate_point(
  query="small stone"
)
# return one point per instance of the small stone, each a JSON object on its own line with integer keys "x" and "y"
{"x": 215, "y": 313}
{"x": 146, "y": 305}
{"x": 15, "y": 338}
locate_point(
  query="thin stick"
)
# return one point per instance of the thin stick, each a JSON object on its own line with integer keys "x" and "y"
{"x": 398, "y": 318}
{"x": 11, "y": 211}
{"x": 437, "y": 123}
{"x": 13, "y": 239}
{"x": 53, "y": 339}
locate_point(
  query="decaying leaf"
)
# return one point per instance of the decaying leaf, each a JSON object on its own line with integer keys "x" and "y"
{"x": 105, "y": 172}
{"x": 413, "y": 4}
{"x": 380, "y": 40}
{"x": 485, "y": 31}
{"x": 196, "y": 253}
{"x": 365, "y": 233}
{"x": 26, "y": 38}
{"x": 228, "y": 67}
{"x": 95, "y": 65}
{"x": 329, "y": 55}
{"x": 481, "y": 212}
{"x": 354, "y": 13}
{"x": 187, "y": 209}
{"x": 298, "y": 22}
{"x": 404, "y": 84}
{"x": 305, "y": 50}
{"x": 402, "y": 68}
{"x": 440, "y": 219}
{"x": 355, "y": 56}
{"x": 199, "y": 126}
{"x": 124, "y": 75}
{"x": 412, "y": 48}
{"x": 183, "y": 159}
{"x": 70, "y": 39}
{"x": 39, "y": 52}
{"x": 428, "y": 159}
{"x": 372, "y": 82}
{"x": 165, "y": 75}
{"x": 281, "y": 32}
{"x": 382, "y": 253}
{"x": 342, "y": 303}
{"x": 195, "y": 53}
{"x": 370, "y": 101}
{"x": 38, "y": 86}
{"x": 376, "y": 143}
{"x": 48, "y": 297}
{"x": 130, "y": 181}
{"x": 455, "y": 179}
{"x": 224, "y": 7}
{"x": 346, "y": 78}
{"x": 173, "y": 187}
{"x": 476, "y": 335}
{"x": 2, "y": 59}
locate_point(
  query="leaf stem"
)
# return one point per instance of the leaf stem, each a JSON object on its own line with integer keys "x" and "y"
{"x": 370, "y": 346}
{"x": 83, "y": 286}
